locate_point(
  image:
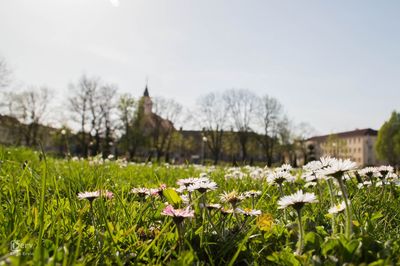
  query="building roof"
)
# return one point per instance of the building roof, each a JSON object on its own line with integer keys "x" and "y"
{"x": 9, "y": 120}
{"x": 348, "y": 134}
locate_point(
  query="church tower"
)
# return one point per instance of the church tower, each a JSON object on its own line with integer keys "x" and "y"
{"x": 147, "y": 103}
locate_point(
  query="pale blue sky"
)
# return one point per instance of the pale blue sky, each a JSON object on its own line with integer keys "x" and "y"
{"x": 333, "y": 64}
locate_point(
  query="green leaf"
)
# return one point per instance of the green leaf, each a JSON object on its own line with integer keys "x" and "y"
{"x": 313, "y": 241}
{"x": 172, "y": 197}
{"x": 310, "y": 238}
{"x": 185, "y": 258}
{"x": 376, "y": 216}
{"x": 284, "y": 257}
{"x": 351, "y": 246}
{"x": 330, "y": 245}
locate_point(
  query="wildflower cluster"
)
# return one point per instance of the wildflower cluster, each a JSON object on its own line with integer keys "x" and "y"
{"x": 263, "y": 199}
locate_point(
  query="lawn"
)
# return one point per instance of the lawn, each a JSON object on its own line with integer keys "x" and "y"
{"x": 329, "y": 213}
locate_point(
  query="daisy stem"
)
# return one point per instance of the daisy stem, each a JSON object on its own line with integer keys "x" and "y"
{"x": 252, "y": 202}
{"x": 179, "y": 227}
{"x": 202, "y": 204}
{"x": 203, "y": 210}
{"x": 210, "y": 220}
{"x": 319, "y": 190}
{"x": 332, "y": 195}
{"x": 190, "y": 197}
{"x": 348, "y": 230}
{"x": 383, "y": 194}
{"x": 281, "y": 191}
{"x": 222, "y": 225}
{"x": 93, "y": 223}
{"x": 300, "y": 244}
{"x": 235, "y": 214}
{"x": 391, "y": 190}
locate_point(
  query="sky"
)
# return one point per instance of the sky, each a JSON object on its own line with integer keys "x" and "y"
{"x": 332, "y": 64}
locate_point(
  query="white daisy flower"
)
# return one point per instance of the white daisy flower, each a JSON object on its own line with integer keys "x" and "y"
{"x": 191, "y": 180}
{"x": 386, "y": 168}
{"x": 385, "y": 171}
{"x": 89, "y": 195}
{"x": 226, "y": 211}
{"x": 248, "y": 212}
{"x": 252, "y": 193}
{"x": 297, "y": 200}
{"x": 337, "y": 208}
{"x": 178, "y": 214}
{"x": 326, "y": 161}
{"x": 364, "y": 184}
{"x": 181, "y": 189}
{"x": 313, "y": 166}
{"x": 392, "y": 177}
{"x": 232, "y": 197}
{"x": 214, "y": 206}
{"x": 140, "y": 191}
{"x": 369, "y": 171}
{"x": 309, "y": 176}
{"x": 280, "y": 177}
{"x": 284, "y": 168}
{"x": 310, "y": 184}
{"x": 202, "y": 187}
{"x": 338, "y": 167}
{"x": 257, "y": 174}
{"x": 238, "y": 174}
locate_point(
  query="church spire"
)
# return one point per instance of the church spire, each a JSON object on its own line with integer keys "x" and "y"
{"x": 146, "y": 90}
{"x": 147, "y": 103}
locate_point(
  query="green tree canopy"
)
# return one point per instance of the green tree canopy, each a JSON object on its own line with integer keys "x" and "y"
{"x": 388, "y": 142}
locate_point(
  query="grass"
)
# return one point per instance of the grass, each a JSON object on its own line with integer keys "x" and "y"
{"x": 42, "y": 221}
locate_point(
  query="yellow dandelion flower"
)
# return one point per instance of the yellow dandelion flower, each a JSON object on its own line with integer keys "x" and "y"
{"x": 265, "y": 222}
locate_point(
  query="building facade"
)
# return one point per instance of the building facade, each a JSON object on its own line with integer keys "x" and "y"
{"x": 357, "y": 145}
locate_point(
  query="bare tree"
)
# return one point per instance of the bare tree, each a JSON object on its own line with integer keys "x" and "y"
{"x": 167, "y": 111}
{"x": 81, "y": 105}
{"x": 303, "y": 131}
{"x": 127, "y": 107}
{"x": 286, "y": 141}
{"x": 30, "y": 107}
{"x": 211, "y": 114}
{"x": 242, "y": 105}
{"x": 270, "y": 115}
{"x": 96, "y": 118}
{"x": 107, "y": 105}
{"x": 5, "y": 73}
{"x": 93, "y": 105}
{"x": 5, "y": 80}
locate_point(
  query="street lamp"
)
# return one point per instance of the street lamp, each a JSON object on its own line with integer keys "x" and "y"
{"x": 203, "y": 149}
